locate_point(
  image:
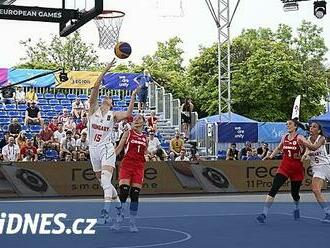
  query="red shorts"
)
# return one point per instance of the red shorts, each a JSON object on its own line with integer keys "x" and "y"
{"x": 134, "y": 173}
{"x": 292, "y": 169}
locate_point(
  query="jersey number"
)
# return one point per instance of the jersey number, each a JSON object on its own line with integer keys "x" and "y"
{"x": 317, "y": 160}
{"x": 139, "y": 148}
{"x": 97, "y": 137}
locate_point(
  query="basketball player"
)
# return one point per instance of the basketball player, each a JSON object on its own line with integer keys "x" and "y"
{"x": 320, "y": 162}
{"x": 290, "y": 167}
{"x": 131, "y": 170}
{"x": 102, "y": 153}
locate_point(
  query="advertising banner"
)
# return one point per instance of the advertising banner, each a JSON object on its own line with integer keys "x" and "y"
{"x": 122, "y": 81}
{"x": 72, "y": 179}
{"x": 238, "y": 132}
{"x": 18, "y": 75}
{"x": 78, "y": 80}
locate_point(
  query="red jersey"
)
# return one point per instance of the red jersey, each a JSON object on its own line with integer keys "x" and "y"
{"x": 135, "y": 147}
{"x": 291, "y": 149}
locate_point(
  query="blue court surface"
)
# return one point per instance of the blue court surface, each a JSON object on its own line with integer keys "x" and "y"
{"x": 175, "y": 224}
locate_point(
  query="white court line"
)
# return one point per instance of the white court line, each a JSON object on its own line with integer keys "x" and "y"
{"x": 186, "y": 238}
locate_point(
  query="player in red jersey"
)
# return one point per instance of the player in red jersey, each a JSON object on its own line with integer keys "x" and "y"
{"x": 290, "y": 167}
{"x": 131, "y": 170}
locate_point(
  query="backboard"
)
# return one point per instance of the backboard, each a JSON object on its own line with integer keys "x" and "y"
{"x": 88, "y": 10}
{"x": 71, "y": 15}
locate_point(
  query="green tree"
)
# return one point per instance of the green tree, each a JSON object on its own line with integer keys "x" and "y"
{"x": 269, "y": 69}
{"x": 165, "y": 66}
{"x": 71, "y": 53}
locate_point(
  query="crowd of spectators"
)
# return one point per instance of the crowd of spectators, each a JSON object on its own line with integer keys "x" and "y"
{"x": 248, "y": 152}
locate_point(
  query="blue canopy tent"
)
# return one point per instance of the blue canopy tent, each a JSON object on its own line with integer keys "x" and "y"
{"x": 271, "y": 132}
{"x": 324, "y": 121}
{"x": 239, "y": 130}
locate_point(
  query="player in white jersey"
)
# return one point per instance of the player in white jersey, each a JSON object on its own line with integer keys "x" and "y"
{"x": 100, "y": 128}
{"x": 320, "y": 162}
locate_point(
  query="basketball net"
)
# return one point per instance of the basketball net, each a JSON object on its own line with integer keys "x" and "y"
{"x": 108, "y": 25}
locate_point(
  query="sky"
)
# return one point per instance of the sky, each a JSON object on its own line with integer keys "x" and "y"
{"x": 144, "y": 25}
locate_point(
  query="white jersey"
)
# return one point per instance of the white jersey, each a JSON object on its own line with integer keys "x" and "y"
{"x": 100, "y": 128}
{"x": 319, "y": 156}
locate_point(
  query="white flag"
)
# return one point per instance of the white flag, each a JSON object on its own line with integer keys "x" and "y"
{"x": 296, "y": 108}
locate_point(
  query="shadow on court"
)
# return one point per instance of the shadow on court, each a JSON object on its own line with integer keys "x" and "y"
{"x": 193, "y": 224}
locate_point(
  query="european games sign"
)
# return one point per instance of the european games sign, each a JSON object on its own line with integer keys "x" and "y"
{"x": 26, "y": 13}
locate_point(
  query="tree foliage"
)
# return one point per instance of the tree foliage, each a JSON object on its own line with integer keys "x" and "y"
{"x": 71, "y": 53}
{"x": 269, "y": 69}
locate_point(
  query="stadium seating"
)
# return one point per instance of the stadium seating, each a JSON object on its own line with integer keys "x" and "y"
{"x": 5, "y": 128}
{"x": 9, "y": 107}
{"x": 42, "y": 101}
{"x": 14, "y": 114}
{"x": 83, "y": 96}
{"x": 35, "y": 128}
{"x": 65, "y": 102}
{"x": 49, "y": 96}
{"x": 21, "y": 107}
{"x": 40, "y": 96}
{"x": 127, "y": 98}
{"x": 222, "y": 155}
{"x": 115, "y": 98}
{"x": 54, "y": 102}
{"x": 51, "y": 154}
{"x": 4, "y": 121}
{"x": 3, "y": 113}
{"x": 46, "y": 108}
{"x": 58, "y": 108}
{"x": 60, "y": 96}
{"x": 71, "y": 96}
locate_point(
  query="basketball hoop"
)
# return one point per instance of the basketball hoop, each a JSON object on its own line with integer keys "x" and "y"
{"x": 108, "y": 25}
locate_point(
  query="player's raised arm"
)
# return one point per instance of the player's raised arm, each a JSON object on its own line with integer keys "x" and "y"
{"x": 119, "y": 116}
{"x": 95, "y": 90}
{"x": 122, "y": 142}
{"x": 309, "y": 145}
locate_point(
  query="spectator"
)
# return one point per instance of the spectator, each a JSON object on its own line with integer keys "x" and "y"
{"x": 64, "y": 117}
{"x": 152, "y": 122}
{"x": 263, "y": 150}
{"x": 14, "y": 127}
{"x": 176, "y": 145}
{"x": 186, "y": 110}
{"x": 53, "y": 124}
{"x": 4, "y": 140}
{"x": 59, "y": 135}
{"x": 77, "y": 109}
{"x": 232, "y": 152}
{"x": 82, "y": 147}
{"x": 33, "y": 115}
{"x": 70, "y": 125}
{"x": 67, "y": 149}
{"x": 31, "y": 96}
{"x": 156, "y": 153}
{"x": 20, "y": 96}
{"x": 245, "y": 149}
{"x": 253, "y": 155}
{"x": 46, "y": 137}
{"x": 7, "y": 95}
{"x": 143, "y": 94}
{"x": 21, "y": 139}
{"x": 196, "y": 157}
{"x": 29, "y": 152}
{"x": 81, "y": 125}
{"x": 182, "y": 156}
{"x": 10, "y": 152}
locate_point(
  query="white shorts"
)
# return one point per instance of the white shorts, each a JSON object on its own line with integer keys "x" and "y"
{"x": 322, "y": 171}
{"x": 101, "y": 156}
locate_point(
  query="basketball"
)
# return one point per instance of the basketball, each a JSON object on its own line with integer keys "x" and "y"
{"x": 123, "y": 50}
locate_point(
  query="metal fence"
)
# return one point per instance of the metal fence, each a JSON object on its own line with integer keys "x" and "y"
{"x": 160, "y": 91}
{"x": 168, "y": 106}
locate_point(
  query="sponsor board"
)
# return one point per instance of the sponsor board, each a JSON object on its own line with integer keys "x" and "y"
{"x": 78, "y": 179}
